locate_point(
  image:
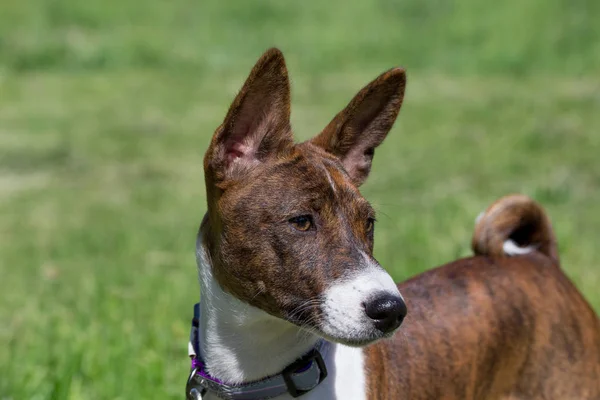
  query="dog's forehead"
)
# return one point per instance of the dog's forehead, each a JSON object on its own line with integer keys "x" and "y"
{"x": 308, "y": 167}
{"x": 306, "y": 175}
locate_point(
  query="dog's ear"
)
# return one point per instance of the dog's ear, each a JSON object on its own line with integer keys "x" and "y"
{"x": 359, "y": 128}
{"x": 257, "y": 125}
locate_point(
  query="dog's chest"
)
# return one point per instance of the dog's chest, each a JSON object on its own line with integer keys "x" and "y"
{"x": 347, "y": 375}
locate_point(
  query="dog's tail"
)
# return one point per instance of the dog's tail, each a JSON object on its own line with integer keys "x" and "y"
{"x": 514, "y": 225}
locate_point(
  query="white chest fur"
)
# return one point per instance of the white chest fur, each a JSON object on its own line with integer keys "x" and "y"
{"x": 346, "y": 376}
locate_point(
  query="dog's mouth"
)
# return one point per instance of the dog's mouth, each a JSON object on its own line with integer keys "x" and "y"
{"x": 356, "y": 338}
{"x": 353, "y": 339}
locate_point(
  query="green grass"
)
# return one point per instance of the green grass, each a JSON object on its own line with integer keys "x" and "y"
{"x": 106, "y": 108}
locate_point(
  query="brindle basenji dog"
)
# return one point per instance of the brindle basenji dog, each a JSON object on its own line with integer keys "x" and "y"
{"x": 295, "y": 305}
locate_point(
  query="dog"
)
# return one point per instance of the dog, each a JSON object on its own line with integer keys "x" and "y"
{"x": 295, "y": 305}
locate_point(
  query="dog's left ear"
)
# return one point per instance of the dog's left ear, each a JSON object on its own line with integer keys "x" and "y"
{"x": 359, "y": 128}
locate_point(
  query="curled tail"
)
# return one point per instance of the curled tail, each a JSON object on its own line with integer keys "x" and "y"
{"x": 514, "y": 225}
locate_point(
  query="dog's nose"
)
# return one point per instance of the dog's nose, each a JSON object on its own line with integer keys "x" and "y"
{"x": 386, "y": 310}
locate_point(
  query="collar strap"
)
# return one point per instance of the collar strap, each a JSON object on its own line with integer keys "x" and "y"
{"x": 298, "y": 378}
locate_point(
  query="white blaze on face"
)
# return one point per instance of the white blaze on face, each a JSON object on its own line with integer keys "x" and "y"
{"x": 329, "y": 179}
{"x": 344, "y": 315}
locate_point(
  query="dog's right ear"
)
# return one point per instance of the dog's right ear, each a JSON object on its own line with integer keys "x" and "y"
{"x": 257, "y": 125}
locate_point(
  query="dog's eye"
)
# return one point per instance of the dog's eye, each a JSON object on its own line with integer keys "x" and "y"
{"x": 370, "y": 225}
{"x": 302, "y": 223}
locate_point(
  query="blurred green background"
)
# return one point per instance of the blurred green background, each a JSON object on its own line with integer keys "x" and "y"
{"x": 106, "y": 108}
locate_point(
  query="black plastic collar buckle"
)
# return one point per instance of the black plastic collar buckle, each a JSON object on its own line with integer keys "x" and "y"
{"x": 311, "y": 356}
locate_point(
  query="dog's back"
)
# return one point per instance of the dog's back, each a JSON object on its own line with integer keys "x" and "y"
{"x": 493, "y": 326}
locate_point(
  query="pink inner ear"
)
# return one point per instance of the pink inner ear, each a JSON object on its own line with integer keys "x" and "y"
{"x": 235, "y": 150}
{"x": 239, "y": 144}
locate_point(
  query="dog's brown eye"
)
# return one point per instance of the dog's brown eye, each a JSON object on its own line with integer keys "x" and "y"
{"x": 370, "y": 225}
{"x": 302, "y": 222}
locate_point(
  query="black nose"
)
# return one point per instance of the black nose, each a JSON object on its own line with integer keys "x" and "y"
{"x": 386, "y": 310}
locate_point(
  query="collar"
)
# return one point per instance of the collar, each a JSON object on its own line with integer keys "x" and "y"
{"x": 298, "y": 378}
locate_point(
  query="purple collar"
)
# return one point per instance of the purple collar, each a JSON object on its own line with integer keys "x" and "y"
{"x": 298, "y": 378}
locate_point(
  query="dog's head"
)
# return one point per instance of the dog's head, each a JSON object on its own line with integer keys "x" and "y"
{"x": 287, "y": 229}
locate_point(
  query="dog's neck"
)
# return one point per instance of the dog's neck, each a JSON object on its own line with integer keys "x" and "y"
{"x": 238, "y": 342}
